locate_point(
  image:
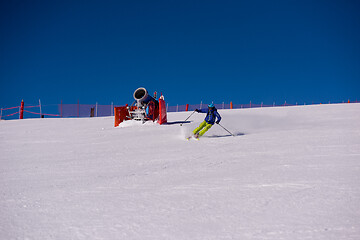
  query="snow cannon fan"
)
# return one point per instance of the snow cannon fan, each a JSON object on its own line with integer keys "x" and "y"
{"x": 146, "y": 107}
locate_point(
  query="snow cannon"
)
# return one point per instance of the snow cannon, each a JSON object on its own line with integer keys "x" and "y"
{"x": 144, "y": 108}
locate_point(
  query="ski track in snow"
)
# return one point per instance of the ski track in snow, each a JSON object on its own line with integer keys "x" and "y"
{"x": 289, "y": 173}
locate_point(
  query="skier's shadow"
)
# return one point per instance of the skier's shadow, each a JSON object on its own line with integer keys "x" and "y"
{"x": 226, "y": 135}
{"x": 177, "y": 122}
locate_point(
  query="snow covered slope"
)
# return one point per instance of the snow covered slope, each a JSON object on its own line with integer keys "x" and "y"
{"x": 290, "y": 173}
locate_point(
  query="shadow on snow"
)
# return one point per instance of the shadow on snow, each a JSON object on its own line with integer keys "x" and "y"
{"x": 225, "y": 135}
{"x": 177, "y": 122}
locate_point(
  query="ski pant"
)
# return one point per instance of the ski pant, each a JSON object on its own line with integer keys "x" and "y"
{"x": 203, "y": 127}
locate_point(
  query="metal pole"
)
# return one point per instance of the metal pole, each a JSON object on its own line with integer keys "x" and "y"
{"x": 188, "y": 117}
{"x": 40, "y": 108}
{"x": 226, "y": 130}
{"x": 96, "y": 109}
{"x": 78, "y": 108}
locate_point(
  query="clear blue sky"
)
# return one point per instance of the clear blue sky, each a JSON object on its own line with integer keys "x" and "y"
{"x": 192, "y": 51}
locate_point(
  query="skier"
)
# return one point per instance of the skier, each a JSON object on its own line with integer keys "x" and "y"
{"x": 209, "y": 121}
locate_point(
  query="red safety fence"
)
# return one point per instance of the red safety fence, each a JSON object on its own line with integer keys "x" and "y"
{"x": 45, "y": 114}
{"x": 35, "y": 106}
{"x": 10, "y": 108}
{"x": 12, "y": 114}
{"x": 21, "y": 110}
{"x": 97, "y": 110}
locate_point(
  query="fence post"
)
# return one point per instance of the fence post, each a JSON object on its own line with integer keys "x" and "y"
{"x": 78, "y": 108}
{"x": 187, "y": 107}
{"x": 40, "y": 108}
{"x": 223, "y": 105}
{"x": 21, "y": 113}
{"x": 112, "y": 108}
{"x": 1, "y": 114}
{"x": 177, "y": 107}
{"x": 201, "y": 105}
{"x": 231, "y": 105}
{"x": 96, "y": 109}
{"x": 250, "y": 103}
{"x": 61, "y": 108}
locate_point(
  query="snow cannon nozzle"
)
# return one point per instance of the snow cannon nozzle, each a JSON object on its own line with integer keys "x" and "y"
{"x": 141, "y": 94}
{"x": 142, "y": 97}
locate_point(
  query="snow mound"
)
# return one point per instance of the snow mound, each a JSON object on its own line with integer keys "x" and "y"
{"x": 134, "y": 123}
{"x": 289, "y": 173}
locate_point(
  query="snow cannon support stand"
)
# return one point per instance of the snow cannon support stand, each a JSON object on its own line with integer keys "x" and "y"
{"x": 144, "y": 108}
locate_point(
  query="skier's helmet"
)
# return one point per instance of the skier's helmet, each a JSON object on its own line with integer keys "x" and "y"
{"x": 211, "y": 105}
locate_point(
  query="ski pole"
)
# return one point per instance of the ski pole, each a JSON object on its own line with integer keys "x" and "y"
{"x": 226, "y": 130}
{"x": 188, "y": 117}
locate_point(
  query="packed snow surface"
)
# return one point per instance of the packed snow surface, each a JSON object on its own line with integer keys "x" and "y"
{"x": 289, "y": 173}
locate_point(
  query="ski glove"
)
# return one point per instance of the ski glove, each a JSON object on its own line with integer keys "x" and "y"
{"x": 197, "y": 110}
{"x": 218, "y": 121}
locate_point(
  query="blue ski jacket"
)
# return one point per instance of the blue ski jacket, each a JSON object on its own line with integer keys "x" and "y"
{"x": 211, "y": 115}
